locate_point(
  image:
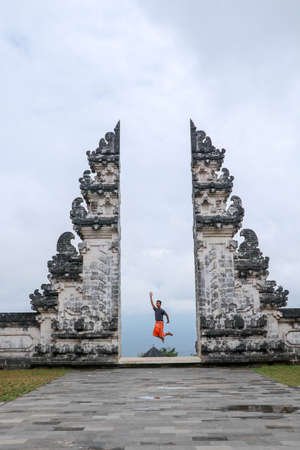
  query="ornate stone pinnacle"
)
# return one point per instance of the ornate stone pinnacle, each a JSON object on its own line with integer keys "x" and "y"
{"x": 108, "y": 149}
{"x": 202, "y": 148}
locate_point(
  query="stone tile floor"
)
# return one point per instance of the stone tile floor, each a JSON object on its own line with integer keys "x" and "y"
{"x": 155, "y": 408}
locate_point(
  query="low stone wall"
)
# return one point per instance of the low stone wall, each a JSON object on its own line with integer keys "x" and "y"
{"x": 289, "y": 331}
{"x": 19, "y": 335}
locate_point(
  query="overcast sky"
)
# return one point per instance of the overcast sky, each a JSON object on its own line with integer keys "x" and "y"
{"x": 71, "y": 69}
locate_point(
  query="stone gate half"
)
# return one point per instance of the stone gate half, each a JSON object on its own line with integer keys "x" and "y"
{"x": 240, "y": 314}
{"x": 77, "y": 314}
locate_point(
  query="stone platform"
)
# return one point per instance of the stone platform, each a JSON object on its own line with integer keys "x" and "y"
{"x": 160, "y": 361}
{"x": 155, "y": 408}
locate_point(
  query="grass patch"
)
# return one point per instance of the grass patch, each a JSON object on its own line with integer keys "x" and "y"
{"x": 14, "y": 383}
{"x": 289, "y": 375}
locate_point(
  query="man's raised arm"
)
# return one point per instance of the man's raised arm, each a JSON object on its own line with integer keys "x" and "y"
{"x": 151, "y": 300}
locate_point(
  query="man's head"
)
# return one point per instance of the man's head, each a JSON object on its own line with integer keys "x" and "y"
{"x": 158, "y": 303}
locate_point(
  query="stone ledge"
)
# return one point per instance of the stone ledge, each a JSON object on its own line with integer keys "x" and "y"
{"x": 212, "y": 187}
{"x": 229, "y": 332}
{"x": 19, "y": 319}
{"x": 290, "y": 313}
{"x": 246, "y": 358}
{"x": 164, "y": 360}
{"x": 100, "y": 187}
{"x": 15, "y": 363}
{"x": 83, "y": 335}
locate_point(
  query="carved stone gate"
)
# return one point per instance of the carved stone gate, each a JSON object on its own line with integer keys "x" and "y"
{"x": 76, "y": 318}
{"x": 240, "y": 314}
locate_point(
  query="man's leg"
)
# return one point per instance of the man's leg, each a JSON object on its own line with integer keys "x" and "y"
{"x": 158, "y": 332}
{"x": 160, "y": 329}
{"x": 169, "y": 334}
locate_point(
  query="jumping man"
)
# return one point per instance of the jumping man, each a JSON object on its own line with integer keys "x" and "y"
{"x": 158, "y": 330}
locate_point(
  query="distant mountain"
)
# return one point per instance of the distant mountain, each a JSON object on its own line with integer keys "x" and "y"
{"x": 153, "y": 353}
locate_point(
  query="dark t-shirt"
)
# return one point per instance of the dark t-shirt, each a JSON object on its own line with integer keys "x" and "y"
{"x": 159, "y": 313}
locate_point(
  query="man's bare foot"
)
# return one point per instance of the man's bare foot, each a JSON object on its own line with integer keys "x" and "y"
{"x": 169, "y": 334}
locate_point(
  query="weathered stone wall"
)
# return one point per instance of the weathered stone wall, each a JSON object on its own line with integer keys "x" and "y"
{"x": 236, "y": 305}
{"x": 19, "y": 334}
{"x": 288, "y": 323}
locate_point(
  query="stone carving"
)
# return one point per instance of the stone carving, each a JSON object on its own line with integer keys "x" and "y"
{"x": 64, "y": 245}
{"x": 96, "y": 222}
{"x": 108, "y": 174}
{"x": 86, "y": 180}
{"x": 67, "y": 263}
{"x": 249, "y": 258}
{"x": 293, "y": 337}
{"x": 249, "y": 248}
{"x": 107, "y": 145}
{"x": 225, "y": 177}
{"x": 19, "y": 320}
{"x": 206, "y": 180}
{"x": 76, "y": 352}
{"x": 203, "y": 174}
{"x": 107, "y": 151}
{"x": 108, "y": 205}
{"x": 233, "y": 216}
{"x": 77, "y": 212}
{"x": 232, "y": 245}
{"x": 272, "y": 297}
{"x": 45, "y": 301}
{"x": 202, "y": 148}
{"x": 236, "y": 210}
{"x": 89, "y": 185}
{"x": 255, "y": 347}
{"x": 81, "y": 218}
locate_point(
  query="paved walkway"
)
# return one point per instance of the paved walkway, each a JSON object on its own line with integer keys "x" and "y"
{"x": 167, "y": 408}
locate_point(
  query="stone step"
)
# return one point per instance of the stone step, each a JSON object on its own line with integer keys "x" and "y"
{"x": 159, "y": 361}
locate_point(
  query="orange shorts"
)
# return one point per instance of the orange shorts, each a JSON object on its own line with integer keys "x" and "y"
{"x": 158, "y": 330}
